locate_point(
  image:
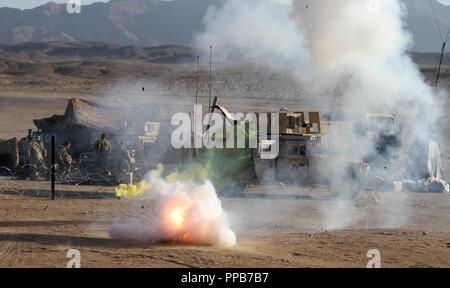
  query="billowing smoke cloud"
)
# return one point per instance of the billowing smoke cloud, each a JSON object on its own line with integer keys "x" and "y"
{"x": 355, "y": 48}
{"x": 181, "y": 212}
{"x": 367, "y": 40}
{"x": 255, "y": 30}
{"x": 349, "y": 54}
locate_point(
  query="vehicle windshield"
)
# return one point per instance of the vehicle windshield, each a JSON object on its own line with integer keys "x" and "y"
{"x": 384, "y": 125}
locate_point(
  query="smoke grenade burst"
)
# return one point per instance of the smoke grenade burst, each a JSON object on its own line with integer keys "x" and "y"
{"x": 351, "y": 58}
{"x": 368, "y": 41}
{"x": 259, "y": 31}
{"x": 182, "y": 211}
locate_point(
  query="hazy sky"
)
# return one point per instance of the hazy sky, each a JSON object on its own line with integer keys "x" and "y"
{"x": 24, "y": 4}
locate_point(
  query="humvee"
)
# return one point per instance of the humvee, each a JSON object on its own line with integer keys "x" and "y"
{"x": 343, "y": 156}
{"x": 296, "y": 153}
{"x": 383, "y": 131}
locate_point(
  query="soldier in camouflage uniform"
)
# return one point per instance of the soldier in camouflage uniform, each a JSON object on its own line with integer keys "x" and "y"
{"x": 35, "y": 155}
{"x": 125, "y": 158}
{"x": 103, "y": 148}
{"x": 65, "y": 161}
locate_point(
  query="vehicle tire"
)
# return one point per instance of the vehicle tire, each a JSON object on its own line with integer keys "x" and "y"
{"x": 291, "y": 171}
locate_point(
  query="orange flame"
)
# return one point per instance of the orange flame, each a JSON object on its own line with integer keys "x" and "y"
{"x": 176, "y": 217}
{"x": 175, "y": 213}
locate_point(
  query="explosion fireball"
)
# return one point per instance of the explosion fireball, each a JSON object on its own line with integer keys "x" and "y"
{"x": 182, "y": 211}
{"x": 176, "y": 217}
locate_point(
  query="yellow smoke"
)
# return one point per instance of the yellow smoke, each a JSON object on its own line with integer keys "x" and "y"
{"x": 130, "y": 191}
{"x": 196, "y": 173}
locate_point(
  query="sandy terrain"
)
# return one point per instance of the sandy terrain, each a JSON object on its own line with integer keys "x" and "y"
{"x": 38, "y": 232}
{"x": 277, "y": 226}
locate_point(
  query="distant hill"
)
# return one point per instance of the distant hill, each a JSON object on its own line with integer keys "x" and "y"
{"x": 69, "y": 51}
{"x": 158, "y": 22}
{"x": 430, "y": 59}
{"x": 72, "y": 63}
{"x": 122, "y": 22}
{"x": 422, "y": 24}
{"x": 93, "y": 64}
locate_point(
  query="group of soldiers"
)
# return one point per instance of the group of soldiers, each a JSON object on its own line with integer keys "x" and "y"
{"x": 34, "y": 156}
{"x": 103, "y": 149}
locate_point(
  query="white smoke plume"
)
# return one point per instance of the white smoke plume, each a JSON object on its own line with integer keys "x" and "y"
{"x": 259, "y": 31}
{"x": 352, "y": 54}
{"x": 361, "y": 41}
{"x": 367, "y": 40}
{"x": 181, "y": 212}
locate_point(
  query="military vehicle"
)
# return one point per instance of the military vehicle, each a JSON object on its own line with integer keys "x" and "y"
{"x": 344, "y": 156}
{"x": 383, "y": 132}
{"x": 297, "y": 152}
{"x": 306, "y": 156}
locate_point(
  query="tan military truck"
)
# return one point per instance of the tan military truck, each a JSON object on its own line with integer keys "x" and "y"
{"x": 306, "y": 157}
{"x": 345, "y": 156}
{"x": 296, "y": 153}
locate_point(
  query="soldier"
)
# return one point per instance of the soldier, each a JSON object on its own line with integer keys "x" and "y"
{"x": 65, "y": 161}
{"x": 44, "y": 151}
{"x": 35, "y": 155}
{"x": 103, "y": 148}
{"x": 126, "y": 158}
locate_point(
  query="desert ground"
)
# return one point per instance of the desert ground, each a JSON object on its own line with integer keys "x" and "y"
{"x": 276, "y": 225}
{"x": 38, "y": 232}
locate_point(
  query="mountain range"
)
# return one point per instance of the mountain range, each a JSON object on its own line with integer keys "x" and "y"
{"x": 41, "y": 52}
{"x": 158, "y": 22}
